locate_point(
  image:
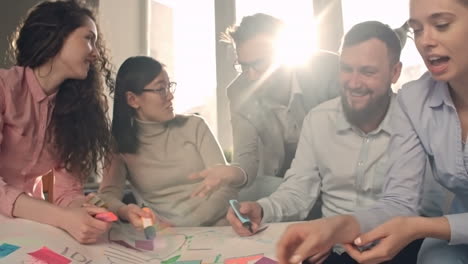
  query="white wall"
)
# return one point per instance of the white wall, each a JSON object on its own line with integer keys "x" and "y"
{"x": 123, "y": 24}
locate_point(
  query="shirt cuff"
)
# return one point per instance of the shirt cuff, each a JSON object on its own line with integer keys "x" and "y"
{"x": 458, "y": 230}
{"x": 244, "y": 182}
{"x": 9, "y": 200}
{"x": 267, "y": 207}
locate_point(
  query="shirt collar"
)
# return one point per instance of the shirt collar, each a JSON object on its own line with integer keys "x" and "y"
{"x": 295, "y": 89}
{"x": 440, "y": 94}
{"x": 34, "y": 86}
{"x": 343, "y": 125}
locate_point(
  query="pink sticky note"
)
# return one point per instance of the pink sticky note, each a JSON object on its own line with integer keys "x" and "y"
{"x": 144, "y": 244}
{"x": 107, "y": 216}
{"x": 243, "y": 260}
{"x": 49, "y": 256}
{"x": 266, "y": 260}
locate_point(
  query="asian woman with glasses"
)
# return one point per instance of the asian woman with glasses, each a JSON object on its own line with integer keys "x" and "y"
{"x": 158, "y": 150}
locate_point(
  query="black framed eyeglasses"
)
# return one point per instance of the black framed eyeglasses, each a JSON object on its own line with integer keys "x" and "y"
{"x": 164, "y": 91}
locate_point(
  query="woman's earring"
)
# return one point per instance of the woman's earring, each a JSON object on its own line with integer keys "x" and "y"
{"x": 131, "y": 121}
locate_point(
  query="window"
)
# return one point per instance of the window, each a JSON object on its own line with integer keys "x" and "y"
{"x": 182, "y": 37}
{"x": 298, "y": 17}
{"x": 393, "y": 13}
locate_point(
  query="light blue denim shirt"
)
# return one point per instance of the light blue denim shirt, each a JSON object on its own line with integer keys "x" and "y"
{"x": 426, "y": 127}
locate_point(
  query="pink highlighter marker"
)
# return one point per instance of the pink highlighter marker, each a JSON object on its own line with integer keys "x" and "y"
{"x": 106, "y": 216}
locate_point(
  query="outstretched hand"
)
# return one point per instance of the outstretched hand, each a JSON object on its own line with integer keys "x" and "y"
{"x": 214, "y": 178}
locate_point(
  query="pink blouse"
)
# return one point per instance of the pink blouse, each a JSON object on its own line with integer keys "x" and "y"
{"x": 25, "y": 155}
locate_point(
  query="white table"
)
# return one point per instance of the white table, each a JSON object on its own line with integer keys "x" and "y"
{"x": 198, "y": 244}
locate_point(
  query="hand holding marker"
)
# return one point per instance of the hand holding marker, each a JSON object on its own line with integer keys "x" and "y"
{"x": 148, "y": 224}
{"x": 244, "y": 220}
{"x": 106, "y": 216}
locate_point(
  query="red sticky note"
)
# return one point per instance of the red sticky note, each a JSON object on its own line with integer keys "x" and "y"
{"x": 266, "y": 260}
{"x": 144, "y": 244}
{"x": 107, "y": 216}
{"x": 49, "y": 256}
{"x": 243, "y": 260}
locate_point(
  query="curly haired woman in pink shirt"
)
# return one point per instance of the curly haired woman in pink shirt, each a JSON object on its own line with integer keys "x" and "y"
{"x": 53, "y": 117}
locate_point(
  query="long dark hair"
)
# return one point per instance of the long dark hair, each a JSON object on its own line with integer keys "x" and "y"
{"x": 134, "y": 74}
{"x": 79, "y": 127}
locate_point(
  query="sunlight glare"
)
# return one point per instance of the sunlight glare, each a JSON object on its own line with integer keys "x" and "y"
{"x": 298, "y": 40}
{"x": 295, "y": 45}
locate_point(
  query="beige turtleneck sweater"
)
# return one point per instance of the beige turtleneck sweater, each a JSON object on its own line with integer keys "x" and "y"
{"x": 158, "y": 173}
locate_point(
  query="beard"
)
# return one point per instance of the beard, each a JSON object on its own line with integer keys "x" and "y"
{"x": 373, "y": 109}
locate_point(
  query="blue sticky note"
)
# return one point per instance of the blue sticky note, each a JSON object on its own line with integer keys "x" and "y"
{"x": 7, "y": 249}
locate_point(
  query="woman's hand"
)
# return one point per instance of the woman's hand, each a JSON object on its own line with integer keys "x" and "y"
{"x": 215, "y": 177}
{"x": 392, "y": 237}
{"x": 133, "y": 214}
{"x": 80, "y": 223}
{"x": 313, "y": 240}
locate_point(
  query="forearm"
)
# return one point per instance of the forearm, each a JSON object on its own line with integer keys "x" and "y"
{"x": 77, "y": 202}
{"x": 37, "y": 210}
{"x": 245, "y": 147}
{"x": 346, "y": 228}
{"x": 113, "y": 198}
{"x": 436, "y": 227}
{"x": 122, "y": 212}
{"x": 291, "y": 201}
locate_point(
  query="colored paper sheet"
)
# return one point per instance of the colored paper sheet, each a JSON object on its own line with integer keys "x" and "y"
{"x": 188, "y": 262}
{"x": 144, "y": 244}
{"x": 49, "y": 256}
{"x": 6, "y": 249}
{"x": 243, "y": 260}
{"x": 266, "y": 260}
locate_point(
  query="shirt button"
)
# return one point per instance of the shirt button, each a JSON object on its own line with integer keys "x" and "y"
{"x": 367, "y": 140}
{"x": 360, "y": 163}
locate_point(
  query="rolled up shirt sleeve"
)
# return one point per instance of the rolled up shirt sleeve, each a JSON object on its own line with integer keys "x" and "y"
{"x": 246, "y": 146}
{"x": 300, "y": 189}
{"x": 68, "y": 186}
{"x": 8, "y": 194}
